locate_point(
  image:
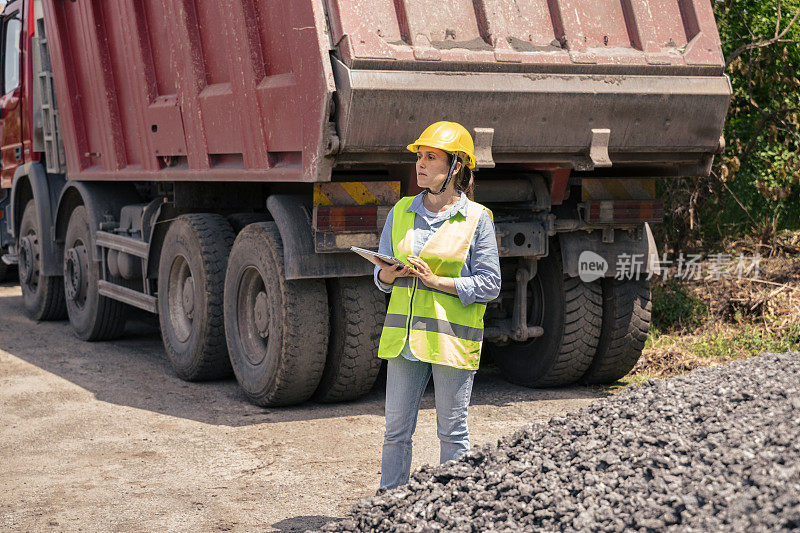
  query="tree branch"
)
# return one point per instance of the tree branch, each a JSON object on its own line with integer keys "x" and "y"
{"x": 788, "y": 27}
{"x": 763, "y": 44}
{"x": 766, "y": 117}
{"x": 740, "y": 203}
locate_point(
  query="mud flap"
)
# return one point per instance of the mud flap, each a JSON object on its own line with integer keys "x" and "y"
{"x": 45, "y": 189}
{"x": 585, "y": 255}
{"x": 292, "y": 214}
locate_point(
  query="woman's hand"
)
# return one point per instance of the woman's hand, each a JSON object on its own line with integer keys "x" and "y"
{"x": 390, "y": 272}
{"x": 423, "y": 272}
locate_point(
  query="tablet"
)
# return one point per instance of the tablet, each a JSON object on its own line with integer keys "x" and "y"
{"x": 370, "y": 256}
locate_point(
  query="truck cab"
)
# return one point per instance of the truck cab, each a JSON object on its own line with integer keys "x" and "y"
{"x": 11, "y": 110}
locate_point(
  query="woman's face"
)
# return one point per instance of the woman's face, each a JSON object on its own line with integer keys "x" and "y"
{"x": 432, "y": 167}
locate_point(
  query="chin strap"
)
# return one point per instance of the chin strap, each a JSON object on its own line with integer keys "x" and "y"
{"x": 447, "y": 180}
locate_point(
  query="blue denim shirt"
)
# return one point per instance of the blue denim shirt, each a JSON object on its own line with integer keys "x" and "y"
{"x": 480, "y": 276}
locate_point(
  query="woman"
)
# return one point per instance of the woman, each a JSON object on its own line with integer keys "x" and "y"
{"x": 438, "y": 297}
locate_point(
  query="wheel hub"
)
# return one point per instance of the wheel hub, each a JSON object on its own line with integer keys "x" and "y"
{"x": 181, "y": 299}
{"x": 261, "y": 314}
{"x": 27, "y": 259}
{"x": 252, "y": 316}
{"x": 73, "y": 273}
{"x": 188, "y": 297}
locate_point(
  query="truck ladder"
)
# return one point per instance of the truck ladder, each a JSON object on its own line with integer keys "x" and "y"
{"x": 56, "y": 162}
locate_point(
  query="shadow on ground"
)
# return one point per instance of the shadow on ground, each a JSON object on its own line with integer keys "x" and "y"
{"x": 302, "y": 523}
{"x": 133, "y": 371}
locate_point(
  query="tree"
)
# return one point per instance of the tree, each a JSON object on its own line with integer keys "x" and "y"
{"x": 754, "y": 186}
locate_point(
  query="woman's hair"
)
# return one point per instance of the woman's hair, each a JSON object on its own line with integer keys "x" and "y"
{"x": 463, "y": 180}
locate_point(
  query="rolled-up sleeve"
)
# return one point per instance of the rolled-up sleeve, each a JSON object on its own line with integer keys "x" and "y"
{"x": 483, "y": 283}
{"x": 385, "y": 247}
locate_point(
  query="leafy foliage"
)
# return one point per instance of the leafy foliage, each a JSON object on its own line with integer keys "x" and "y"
{"x": 754, "y": 187}
{"x": 675, "y": 307}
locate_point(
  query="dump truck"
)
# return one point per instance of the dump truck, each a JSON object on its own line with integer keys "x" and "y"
{"x": 213, "y": 162}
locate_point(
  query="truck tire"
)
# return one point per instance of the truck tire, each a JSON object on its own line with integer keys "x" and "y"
{"x": 277, "y": 329}
{"x": 93, "y": 317}
{"x": 239, "y": 221}
{"x": 570, "y": 312}
{"x": 42, "y": 296}
{"x": 357, "y": 311}
{"x": 626, "y": 320}
{"x": 191, "y": 278}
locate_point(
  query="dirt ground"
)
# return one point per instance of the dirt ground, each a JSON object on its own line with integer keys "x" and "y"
{"x": 104, "y": 437}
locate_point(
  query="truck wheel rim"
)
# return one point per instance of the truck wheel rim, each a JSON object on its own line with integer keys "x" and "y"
{"x": 252, "y": 316}
{"x": 261, "y": 314}
{"x": 27, "y": 260}
{"x": 181, "y": 297}
{"x": 188, "y": 297}
{"x": 76, "y": 266}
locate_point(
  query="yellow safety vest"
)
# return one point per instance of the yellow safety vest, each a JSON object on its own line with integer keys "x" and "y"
{"x": 440, "y": 329}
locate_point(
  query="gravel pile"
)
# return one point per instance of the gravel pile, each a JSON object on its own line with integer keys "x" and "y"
{"x": 714, "y": 450}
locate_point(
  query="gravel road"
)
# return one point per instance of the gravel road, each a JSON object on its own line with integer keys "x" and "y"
{"x": 717, "y": 449}
{"x": 104, "y": 437}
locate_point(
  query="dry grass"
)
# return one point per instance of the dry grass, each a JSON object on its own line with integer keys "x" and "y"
{"x": 712, "y": 322}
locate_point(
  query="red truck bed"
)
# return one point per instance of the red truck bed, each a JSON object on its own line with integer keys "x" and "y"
{"x": 286, "y": 91}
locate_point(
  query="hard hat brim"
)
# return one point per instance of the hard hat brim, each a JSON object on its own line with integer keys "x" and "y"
{"x": 413, "y": 147}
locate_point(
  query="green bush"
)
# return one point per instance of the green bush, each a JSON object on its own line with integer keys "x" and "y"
{"x": 674, "y": 308}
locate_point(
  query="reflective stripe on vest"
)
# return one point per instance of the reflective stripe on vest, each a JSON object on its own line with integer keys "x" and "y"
{"x": 439, "y": 328}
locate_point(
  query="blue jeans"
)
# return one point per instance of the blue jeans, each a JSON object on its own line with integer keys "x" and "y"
{"x": 405, "y": 383}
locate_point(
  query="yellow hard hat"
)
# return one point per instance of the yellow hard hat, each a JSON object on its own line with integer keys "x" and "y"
{"x": 450, "y": 137}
